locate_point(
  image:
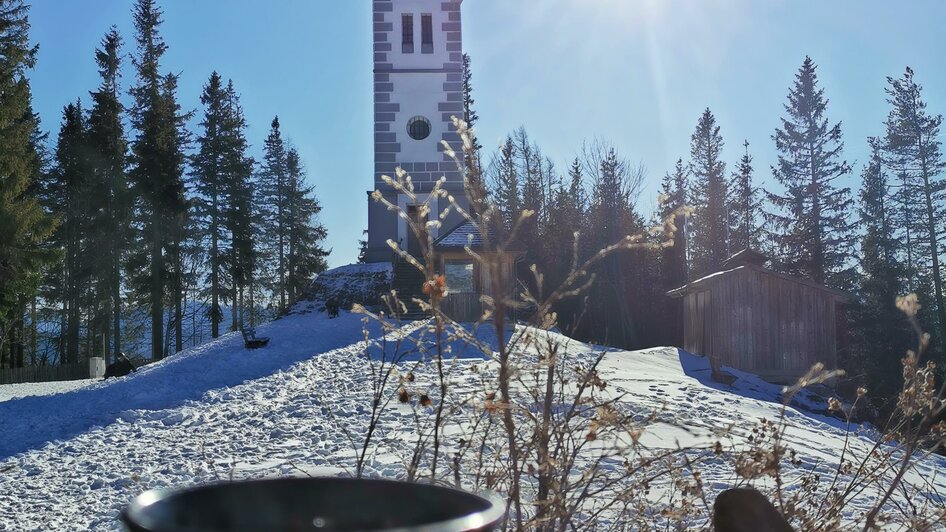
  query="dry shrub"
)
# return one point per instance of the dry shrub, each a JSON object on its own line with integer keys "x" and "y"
{"x": 541, "y": 426}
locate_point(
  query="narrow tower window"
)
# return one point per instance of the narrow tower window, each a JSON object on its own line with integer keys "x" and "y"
{"x": 426, "y": 34}
{"x": 407, "y": 33}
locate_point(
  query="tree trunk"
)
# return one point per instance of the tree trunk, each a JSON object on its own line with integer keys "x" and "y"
{"x": 214, "y": 274}
{"x": 157, "y": 294}
{"x": 116, "y": 302}
{"x": 33, "y": 332}
{"x": 178, "y": 301}
{"x": 934, "y": 243}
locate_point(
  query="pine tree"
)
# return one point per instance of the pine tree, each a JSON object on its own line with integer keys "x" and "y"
{"x": 23, "y": 224}
{"x": 72, "y": 181}
{"x": 110, "y": 200}
{"x": 611, "y": 219}
{"x": 569, "y": 204}
{"x": 673, "y": 189}
{"x": 744, "y": 205}
{"x": 305, "y": 257}
{"x": 530, "y": 168}
{"x": 505, "y": 183}
{"x": 912, "y": 148}
{"x": 710, "y": 224}
{"x": 880, "y": 332}
{"x": 809, "y": 225}
{"x": 207, "y": 171}
{"x": 469, "y": 115}
{"x": 238, "y": 186}
{"x": 158, "y": 158}
{"x": 274, "y": 181}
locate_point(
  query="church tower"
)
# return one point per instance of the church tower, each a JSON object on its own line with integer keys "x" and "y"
{"x": 418, "y": 58}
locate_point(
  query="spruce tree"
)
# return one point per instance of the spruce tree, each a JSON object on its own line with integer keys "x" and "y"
{"x": 673, "y": 264}
{"x": 530, "y": 168}
{"x": 611, "y": 219}
{"x": 470, "y": 116}
{"x": 23, "y": 224}
{"x": 505, "y": 183}
{"x": 72, "y": 179}
{"x": 912, "y": 147}
{"x": 158, "y": 159}
{"x": 305, "y": 257}
{"x": 809, "y": 224}
{"x": 569, "y": 204}
{"x": 207, "y": 171}
{"x": 745, "y": 203}
{"x": 274, "y": 181}
{"x": 880, "y": 332}
{"x": 710, "y": 223}
{"x": 110, "y": 201}
{"x": 238, "y": 190}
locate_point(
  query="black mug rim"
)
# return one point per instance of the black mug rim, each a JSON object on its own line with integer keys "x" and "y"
{"x": 134, "y": 518}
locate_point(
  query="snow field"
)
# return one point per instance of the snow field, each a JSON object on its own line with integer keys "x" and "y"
{"x": 301, "y": 405}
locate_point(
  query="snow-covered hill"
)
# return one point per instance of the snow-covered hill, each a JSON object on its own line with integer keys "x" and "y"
{"x": 72, "y": 460}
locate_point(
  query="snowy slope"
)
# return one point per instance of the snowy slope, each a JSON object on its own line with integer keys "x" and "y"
{"x": 12, "y": 391}
{"x": 71, "y": 461}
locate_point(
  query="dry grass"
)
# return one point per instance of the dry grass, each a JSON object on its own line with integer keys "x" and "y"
{"x": 543, "y": 428}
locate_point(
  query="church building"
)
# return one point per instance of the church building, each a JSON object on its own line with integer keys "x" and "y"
{"x": 418, "y": 63}
{"x": 418, "y": 88}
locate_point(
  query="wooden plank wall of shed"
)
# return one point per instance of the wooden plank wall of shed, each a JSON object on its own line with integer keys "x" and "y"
{"x": 761, "y": 323}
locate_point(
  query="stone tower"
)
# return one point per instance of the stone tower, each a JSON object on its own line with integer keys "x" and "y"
{"x": 418, "y": 57}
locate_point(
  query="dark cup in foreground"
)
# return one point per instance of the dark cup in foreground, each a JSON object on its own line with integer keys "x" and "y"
{"x": 293, "y": 504}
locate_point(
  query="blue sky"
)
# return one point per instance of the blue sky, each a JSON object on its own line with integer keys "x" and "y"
{"x": 636, "y": 73}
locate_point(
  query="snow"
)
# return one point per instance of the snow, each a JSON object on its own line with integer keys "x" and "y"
{"x": 72, "y": 459}
{"x": 12, "y": 391}
{"x": 353, "y": 283}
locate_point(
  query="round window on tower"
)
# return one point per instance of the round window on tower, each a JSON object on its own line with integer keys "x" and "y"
{"x": 418, "y": 128}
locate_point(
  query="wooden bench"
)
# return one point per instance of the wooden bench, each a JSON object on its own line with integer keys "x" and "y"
{"x": 250, "y": 341}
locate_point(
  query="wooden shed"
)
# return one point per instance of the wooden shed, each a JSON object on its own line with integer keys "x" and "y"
{"x": 762, "y": 321}
{"x": 467, "y": 279}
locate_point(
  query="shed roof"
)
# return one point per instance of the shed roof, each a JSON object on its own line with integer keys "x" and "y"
{"x": 704, "y": 282}
{"x": 468, "y": 234}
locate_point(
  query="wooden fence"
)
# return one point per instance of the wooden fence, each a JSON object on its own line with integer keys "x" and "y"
{"x": 64, "y": 372}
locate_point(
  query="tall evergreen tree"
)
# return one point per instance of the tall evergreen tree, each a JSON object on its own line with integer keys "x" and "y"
{"x": 913, "y": 148}
{"x": 470, "y": 116}
{"x": 880, "y": 333}
{"x": 505, "y": 183}
{"x": 158, "y": 158}
{"x": 72, "y": 179}
{"x": 569, "y": 204}
{"x": 673, "y": 189}
{"x": 23, "y": 224}
{"x": 305, "y": 257}
{"x": 110, "y": 199}
{"x": 530, "y": 168}
{"x": 209, "y": 179}
{"x": 238, "y": 186}
{"x": 611, "y": 219}
{"x": 710, "y": 224}
{"x": 274, "y": 179}
{"x": 809, "y": 225}
{"x": 745, "y": 203}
